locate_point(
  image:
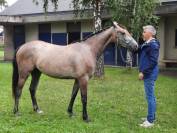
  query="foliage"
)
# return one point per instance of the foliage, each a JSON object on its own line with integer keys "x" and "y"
{"x": 46, "y": 3}
{"x": 3, "y": 3}
{"x": 115, "y": 105}
{"x": 132, "y": 13}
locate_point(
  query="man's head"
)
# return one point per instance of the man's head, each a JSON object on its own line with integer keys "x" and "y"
{"x": 148, "y": 32}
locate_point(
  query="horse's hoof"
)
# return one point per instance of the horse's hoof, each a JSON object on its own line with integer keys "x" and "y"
{"x": 39, "y": 111}
{"x": 17, "y": 114}
{"x": 87, "y": 120}
{"x": 70, "y": 114}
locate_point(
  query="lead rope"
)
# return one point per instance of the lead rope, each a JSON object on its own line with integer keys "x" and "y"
{"x": 127, "y": 62}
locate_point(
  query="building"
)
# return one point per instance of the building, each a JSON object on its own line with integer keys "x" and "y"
{"x": 26, "y": 21}
{"x": 167, "y": 32}
{"x": 1, "y": 36}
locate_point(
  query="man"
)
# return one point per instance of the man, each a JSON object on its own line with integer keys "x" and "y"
{"x": 148, "y": 70}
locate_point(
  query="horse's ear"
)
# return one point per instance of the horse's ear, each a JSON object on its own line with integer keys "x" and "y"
{"x": 115, "y": 24}
{"x": 112, "y": 23}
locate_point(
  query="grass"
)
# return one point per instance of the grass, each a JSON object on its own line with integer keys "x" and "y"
{"x": 1, "y": 47}
{"x": 1, "y": 51}
{"x": 115, "y": 105}
{"x": 1, "y": 54}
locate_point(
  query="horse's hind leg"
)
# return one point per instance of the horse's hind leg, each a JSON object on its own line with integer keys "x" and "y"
{"x": 18, "y": 91}
{"x": 73, "y": 96}
{"x": 33, "y": 86}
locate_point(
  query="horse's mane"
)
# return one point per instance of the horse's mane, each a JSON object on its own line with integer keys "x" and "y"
{"x": 95, "y": 33}
{"x": 122, "y": 26}
{"x": 92, "y": 34}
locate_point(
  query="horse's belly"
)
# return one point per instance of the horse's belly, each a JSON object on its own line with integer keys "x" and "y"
{"x": 65, "y": 65}
{"x": 58, "y": 71}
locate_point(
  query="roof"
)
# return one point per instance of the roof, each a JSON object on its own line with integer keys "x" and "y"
{"x": 167, "y": 8}
{"x": 167, "y": 0}
{"x": 28, "y": 7}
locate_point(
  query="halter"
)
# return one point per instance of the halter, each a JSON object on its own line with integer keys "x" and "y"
{"x": 122, "y": 57}
{"x": 119, "y": 47}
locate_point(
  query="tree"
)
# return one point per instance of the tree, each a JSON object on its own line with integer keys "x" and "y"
{"x": 3, "y": 3}
{"x": 132, "y": 13}
{"x": 96, "y": 5}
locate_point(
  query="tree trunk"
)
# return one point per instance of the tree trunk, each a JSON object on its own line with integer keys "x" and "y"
{"x": 99, "y": 72}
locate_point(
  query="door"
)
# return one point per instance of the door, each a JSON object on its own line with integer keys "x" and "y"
{"x": 45, "y": 32}
{"x": 59, "y": 38}
{"x": 109, "y": 55}
{"x": 19, "y": 35}
{"x": 73, "y": 37}
{"x": 74, "y": 32}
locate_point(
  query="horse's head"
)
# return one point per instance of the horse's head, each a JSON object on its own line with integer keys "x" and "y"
{"x": 124, "y": 38}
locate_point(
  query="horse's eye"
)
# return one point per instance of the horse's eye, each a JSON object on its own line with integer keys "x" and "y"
{"x": 123, "y": 33}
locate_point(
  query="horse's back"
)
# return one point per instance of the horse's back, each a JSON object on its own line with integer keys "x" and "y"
{"x": 56, "y": 61}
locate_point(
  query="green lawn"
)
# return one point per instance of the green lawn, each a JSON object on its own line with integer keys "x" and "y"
{"x": 115, "y": 105}
{"x": 1, "y": 54}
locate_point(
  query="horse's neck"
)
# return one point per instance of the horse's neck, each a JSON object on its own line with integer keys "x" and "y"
{"x": 98, "y": 42}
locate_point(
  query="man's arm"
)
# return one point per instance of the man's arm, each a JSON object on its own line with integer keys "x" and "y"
{"x": 153, "y": 58}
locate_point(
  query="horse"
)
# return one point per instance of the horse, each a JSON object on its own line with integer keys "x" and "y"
{"x": 75, "y": 61}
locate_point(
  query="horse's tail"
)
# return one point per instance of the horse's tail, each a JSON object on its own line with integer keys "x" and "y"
{"x": 15, "y": 75}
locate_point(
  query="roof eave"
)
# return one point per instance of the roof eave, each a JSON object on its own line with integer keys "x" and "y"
{"x": 166, "y": 10}
{"x": 50, "y": 17}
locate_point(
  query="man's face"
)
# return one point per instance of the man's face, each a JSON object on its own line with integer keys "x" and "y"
{"x": 146, "y": 35}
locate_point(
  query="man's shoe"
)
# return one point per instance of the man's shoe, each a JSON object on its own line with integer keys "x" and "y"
{"x": 147, "y": 124}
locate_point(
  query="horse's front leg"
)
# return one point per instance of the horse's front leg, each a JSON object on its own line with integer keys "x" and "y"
{"x": 73, "y": 96}
{"x": 33, "y": 87}
{"x": 83, "y": 81}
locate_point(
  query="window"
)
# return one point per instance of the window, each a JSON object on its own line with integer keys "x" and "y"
{"x": 44, "y": 28}
{"x": 74, "y": 32}
{"x": 45, "y": 32}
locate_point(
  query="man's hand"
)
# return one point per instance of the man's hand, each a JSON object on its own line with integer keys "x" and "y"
{"x": 141, "y": 76}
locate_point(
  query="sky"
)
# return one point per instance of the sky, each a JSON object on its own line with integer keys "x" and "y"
{"x": 9, "y": 2}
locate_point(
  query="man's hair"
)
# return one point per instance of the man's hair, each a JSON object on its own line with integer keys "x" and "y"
{"x": 150, "y": 28}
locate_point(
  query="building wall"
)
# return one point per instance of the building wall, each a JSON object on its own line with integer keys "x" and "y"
{"x": 8, "y": 42}
{"x": 59, "y": 36}
{"x": 31, "y": 32}
{"x": 58, "y": 33}
{"x": 58, "y": 27}
{"x": 86, "y": 27}
{"x": 161, "y": 38}
{"x": 61, "y": 27}
{"x": 170, "y": 49}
